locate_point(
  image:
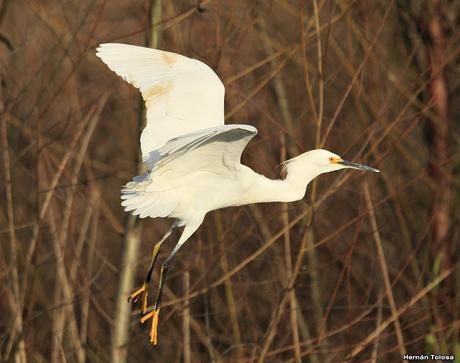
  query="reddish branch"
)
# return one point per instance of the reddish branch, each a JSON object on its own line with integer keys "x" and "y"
{"x": 439, "y": 128}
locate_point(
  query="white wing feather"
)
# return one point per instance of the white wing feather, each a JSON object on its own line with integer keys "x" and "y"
{"x": 216, "y": 150}
{"x": 181, "y": 94}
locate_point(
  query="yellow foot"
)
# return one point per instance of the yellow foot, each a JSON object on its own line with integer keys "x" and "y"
{"x": 154, "y": 329}
{"x": 141, "y": 293}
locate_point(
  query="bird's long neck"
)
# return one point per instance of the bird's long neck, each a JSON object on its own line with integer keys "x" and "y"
{"x": 290, "y": 189}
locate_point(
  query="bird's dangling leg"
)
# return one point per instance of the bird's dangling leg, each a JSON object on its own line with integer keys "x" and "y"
{"x": 143, "y": 292}
{"x": 154, "y": 314}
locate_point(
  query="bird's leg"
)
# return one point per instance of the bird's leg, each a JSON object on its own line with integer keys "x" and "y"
{"x": 154, "y": 314}
{"x": 144, "y": 290}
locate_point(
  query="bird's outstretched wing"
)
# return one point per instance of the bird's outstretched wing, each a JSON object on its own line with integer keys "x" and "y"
{"x": 181, "y": 94}
{"x": 217, "y": 150}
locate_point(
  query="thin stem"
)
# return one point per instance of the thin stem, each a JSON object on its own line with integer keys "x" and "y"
{"x": 384, "y": 268}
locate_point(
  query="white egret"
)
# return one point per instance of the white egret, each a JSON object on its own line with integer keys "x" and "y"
{"x": 193, "y": 159}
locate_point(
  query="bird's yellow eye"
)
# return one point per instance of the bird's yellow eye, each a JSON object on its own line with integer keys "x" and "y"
{"x": 331, "y": 159}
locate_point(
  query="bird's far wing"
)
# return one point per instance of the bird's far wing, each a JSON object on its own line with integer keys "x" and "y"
{"x": 181, "y": 94}
{"x": 217, "y": 150}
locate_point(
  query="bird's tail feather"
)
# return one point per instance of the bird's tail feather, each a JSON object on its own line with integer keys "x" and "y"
{"x": 139, "y": 201}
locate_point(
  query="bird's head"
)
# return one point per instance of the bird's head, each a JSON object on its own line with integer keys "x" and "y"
{"x": 319, "y": 161}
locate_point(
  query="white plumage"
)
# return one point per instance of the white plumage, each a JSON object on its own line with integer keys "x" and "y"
{"x": 185, "y": 171}
{"x": 193, "y": 159}
{"x": 181, "y": 94}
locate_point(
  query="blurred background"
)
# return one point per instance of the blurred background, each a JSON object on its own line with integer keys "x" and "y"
{"x": 364, "y": 269}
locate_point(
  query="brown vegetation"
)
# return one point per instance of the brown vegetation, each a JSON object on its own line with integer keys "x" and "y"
{"x": 363, "y": 269}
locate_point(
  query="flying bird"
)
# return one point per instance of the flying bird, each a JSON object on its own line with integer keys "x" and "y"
{"x": 192, "y": 157}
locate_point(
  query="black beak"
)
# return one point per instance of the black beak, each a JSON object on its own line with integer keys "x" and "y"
{"x": 357, "y": 166}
